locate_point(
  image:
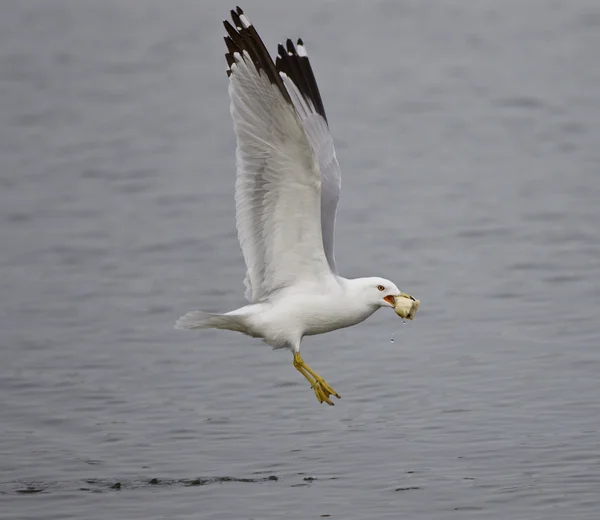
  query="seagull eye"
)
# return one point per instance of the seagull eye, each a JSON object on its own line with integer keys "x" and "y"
{"x": 381, "y": 287}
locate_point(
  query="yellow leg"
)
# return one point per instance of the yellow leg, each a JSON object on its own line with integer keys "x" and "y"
{"x": 319, "y": 385}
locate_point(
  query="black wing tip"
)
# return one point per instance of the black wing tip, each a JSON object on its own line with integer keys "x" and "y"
{"x": 242, "y": 38}
{"x": 291, "y": 59}
{"x": 294, "y": 63}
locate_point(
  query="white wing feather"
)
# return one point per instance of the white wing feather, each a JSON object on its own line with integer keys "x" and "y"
{"x": 321, "y": 142}
{"x": 278, "y": 186}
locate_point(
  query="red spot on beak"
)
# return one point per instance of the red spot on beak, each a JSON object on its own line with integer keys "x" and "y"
{"x": 390, "y": 299}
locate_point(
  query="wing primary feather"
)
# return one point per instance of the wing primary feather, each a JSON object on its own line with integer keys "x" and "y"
{"x": 245, "y": 38}
{"x": 297, "y": 67}
{"x": 311, "y": 80}
{"x": 297, "y": 74}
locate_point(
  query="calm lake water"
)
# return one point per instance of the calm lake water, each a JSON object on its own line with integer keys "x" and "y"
{"x": 469, "y": 138}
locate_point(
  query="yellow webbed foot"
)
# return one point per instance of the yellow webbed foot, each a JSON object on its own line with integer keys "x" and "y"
{"x": 319, "y": 385}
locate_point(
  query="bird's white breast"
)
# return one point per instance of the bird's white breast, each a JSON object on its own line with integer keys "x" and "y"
{"x": 301, "y": 312}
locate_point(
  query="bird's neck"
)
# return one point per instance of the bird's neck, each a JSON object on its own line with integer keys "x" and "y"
{"x": 354, "y": 289}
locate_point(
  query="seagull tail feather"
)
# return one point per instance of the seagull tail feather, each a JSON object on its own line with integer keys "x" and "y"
{"x": 206, "y": 320}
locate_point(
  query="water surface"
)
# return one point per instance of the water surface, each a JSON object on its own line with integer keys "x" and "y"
{"x": 468, "y": 136}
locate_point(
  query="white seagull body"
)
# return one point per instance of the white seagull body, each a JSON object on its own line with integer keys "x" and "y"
{"x": 287, "y": 189}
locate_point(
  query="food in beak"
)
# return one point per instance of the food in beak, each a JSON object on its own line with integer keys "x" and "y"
{"x": 406, "y": 306}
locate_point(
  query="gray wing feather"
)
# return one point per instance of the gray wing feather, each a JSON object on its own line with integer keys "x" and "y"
{"x": 295, "y": 71}
{"x": 331, "y": 179}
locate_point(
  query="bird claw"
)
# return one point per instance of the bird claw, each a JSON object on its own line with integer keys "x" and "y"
{"x": 323, "y": 391}
{"x": 318, "y": 384}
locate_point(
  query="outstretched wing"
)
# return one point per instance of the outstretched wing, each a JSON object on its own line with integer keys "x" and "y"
{"x": 278, "y": 182}
{"x": 297, "y": 75}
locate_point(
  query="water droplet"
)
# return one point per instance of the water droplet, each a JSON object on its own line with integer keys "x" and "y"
{"x": 392, "y": 338}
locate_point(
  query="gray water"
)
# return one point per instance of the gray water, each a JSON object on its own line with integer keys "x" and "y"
{"x": 469, "y": 138}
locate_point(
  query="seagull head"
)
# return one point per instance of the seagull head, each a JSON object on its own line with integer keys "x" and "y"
{"x": 384, "y": 293}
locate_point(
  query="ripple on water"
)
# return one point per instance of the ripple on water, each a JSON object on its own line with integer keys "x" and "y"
{"x": 99, "y": 485}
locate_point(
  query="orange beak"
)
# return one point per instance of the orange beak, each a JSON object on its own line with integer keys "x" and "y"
{"x": 390, "y": 299}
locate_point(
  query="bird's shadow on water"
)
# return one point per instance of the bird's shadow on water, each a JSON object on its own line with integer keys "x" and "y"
{"x": 101, "y": 485}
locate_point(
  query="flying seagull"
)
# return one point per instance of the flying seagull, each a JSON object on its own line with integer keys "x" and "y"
{"x": 287, "y": 188}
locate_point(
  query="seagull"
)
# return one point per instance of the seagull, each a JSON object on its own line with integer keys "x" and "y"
{"x": 287, "y": 187}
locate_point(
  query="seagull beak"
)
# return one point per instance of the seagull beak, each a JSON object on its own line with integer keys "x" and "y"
{"x": 390, "y": 299}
